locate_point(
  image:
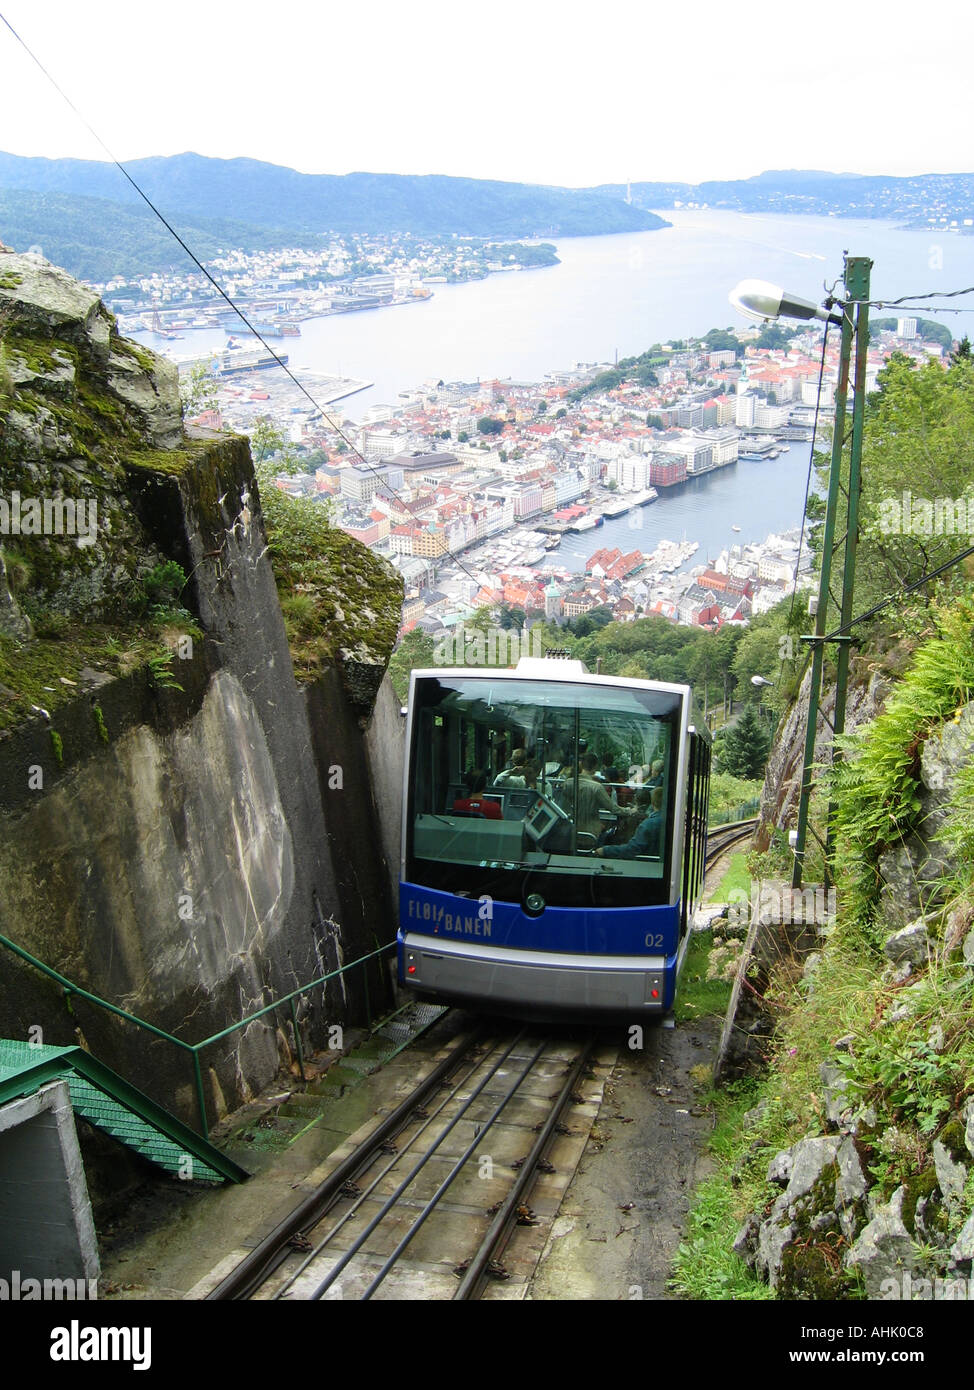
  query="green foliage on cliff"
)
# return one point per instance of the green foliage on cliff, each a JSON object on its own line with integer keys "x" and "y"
{"x": 908, "y": 1050}
{"x": 339, "y": 601}
{"x": 917, "y": 496}
{"x": 877, "y": 785}
{"x": 414, "y": 652}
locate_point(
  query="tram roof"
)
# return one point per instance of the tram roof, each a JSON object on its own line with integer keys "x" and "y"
{"x": 538, "y": 669}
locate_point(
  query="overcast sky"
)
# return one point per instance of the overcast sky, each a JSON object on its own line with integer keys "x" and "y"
{"x": 542, "y": 91}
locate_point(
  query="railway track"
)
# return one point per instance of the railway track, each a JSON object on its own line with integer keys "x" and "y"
{"x": 424, "y": 1206}
{"x": 721, "y": 838}
{"x": 425, "y": 1203}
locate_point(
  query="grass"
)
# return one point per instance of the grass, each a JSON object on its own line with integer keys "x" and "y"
{"x": 736, "y": 879}
{"x": 698, "y": 997}
{"x": 336, "y": 596}
{"x": 36, "y": 672}
{"x": 912, "y": 1087}
{"x": 706, "y": 1266}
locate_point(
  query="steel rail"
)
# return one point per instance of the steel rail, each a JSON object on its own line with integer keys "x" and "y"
{"x": 390, "y": 1202}
{"x": 499, "y": 1230}
{"x": 454, "y": 1173}
{"x": 742, "y": 831}
{"x": 273, "y": 1250}
{"x": 346, "y": 1216}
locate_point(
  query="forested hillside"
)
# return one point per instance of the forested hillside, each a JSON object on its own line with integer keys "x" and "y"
{"x": 190, "y": 187}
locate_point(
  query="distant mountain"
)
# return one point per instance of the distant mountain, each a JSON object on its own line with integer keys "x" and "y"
{"x": 99, "y": 240}
{"x": 194, "y": 187}
{"x": 917, "y": 199}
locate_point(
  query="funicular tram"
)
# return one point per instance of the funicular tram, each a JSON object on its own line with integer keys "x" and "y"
{"x": 554, "y": 839}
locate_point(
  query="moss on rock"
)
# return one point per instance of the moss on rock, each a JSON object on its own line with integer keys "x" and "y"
{"x": 341, "y": 603}
{"x": 92, "y": 418}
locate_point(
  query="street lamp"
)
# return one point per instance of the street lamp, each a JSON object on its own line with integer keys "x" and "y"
{"x": 757, "y": 299}
{"x": 760, "y": 681}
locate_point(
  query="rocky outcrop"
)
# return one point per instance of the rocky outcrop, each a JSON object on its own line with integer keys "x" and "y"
{"x": 80, "y": 399}
{"x": 185, "y": 829}
{"x": 832, "y": 1222}
{"x": 824, "y": 1195}
{"x": 841, "y": 1218}
{"x": 783, "y": 776}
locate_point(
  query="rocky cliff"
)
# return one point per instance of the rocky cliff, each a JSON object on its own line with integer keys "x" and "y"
{"x": 871, "y": 1065}
{"x": 185, "y": 828}
{"x": 783, "y": 776}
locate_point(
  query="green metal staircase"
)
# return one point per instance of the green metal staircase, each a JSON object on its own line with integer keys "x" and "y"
{"x": 103, "y": 1098}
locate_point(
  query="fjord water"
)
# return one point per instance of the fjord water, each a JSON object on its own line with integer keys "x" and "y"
{"x": 620, "y": 294}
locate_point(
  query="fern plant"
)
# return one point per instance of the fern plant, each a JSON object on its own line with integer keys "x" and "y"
{"x": 160, "y": 673}
{"x": 876, "y": 786}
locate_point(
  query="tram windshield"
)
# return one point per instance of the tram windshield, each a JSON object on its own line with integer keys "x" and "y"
{"x": 515, "y": 778}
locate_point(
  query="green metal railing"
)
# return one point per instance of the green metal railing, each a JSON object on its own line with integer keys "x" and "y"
{"x": 195, "y": 1049}
{"x": 744, "y": 811}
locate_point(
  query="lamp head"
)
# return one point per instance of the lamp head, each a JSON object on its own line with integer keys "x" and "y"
{"x": 757, "y": 299}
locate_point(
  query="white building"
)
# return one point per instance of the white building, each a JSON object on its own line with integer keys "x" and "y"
{"x": 770, "y": 417}
{"x": 828, "y": 394}
{"x": 631, "y": 472}
{"x": 744, "y": 412}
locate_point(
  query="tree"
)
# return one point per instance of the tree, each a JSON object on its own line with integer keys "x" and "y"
{"x": 198, "y": 390}
{"x": 482, "y": 620}
{"x": 723, "y": 340}
{"x": 769, "y": 647}
{"x": 930, "y": 329}
{"x": 415, "y": 650}
{"x": 745, "y": 745}
{"x": 773, "y": 335}
{"x": 542, "y": 407}
{"x": 592, "y": 621}
{"x": 266, "y": 439}
{"x": 917, "y": 466}
{"x": 490, "y": 425}
{"x": 509, "y": 618}
{"x": 560, "y": 413}
{"x": 462, "y": 437}
{"x": 962, "y": 353}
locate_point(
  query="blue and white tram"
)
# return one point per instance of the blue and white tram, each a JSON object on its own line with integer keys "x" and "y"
{"x": 554, "y": 838}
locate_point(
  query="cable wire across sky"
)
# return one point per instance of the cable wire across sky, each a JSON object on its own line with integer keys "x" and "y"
{"x": 319, "y": 409}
